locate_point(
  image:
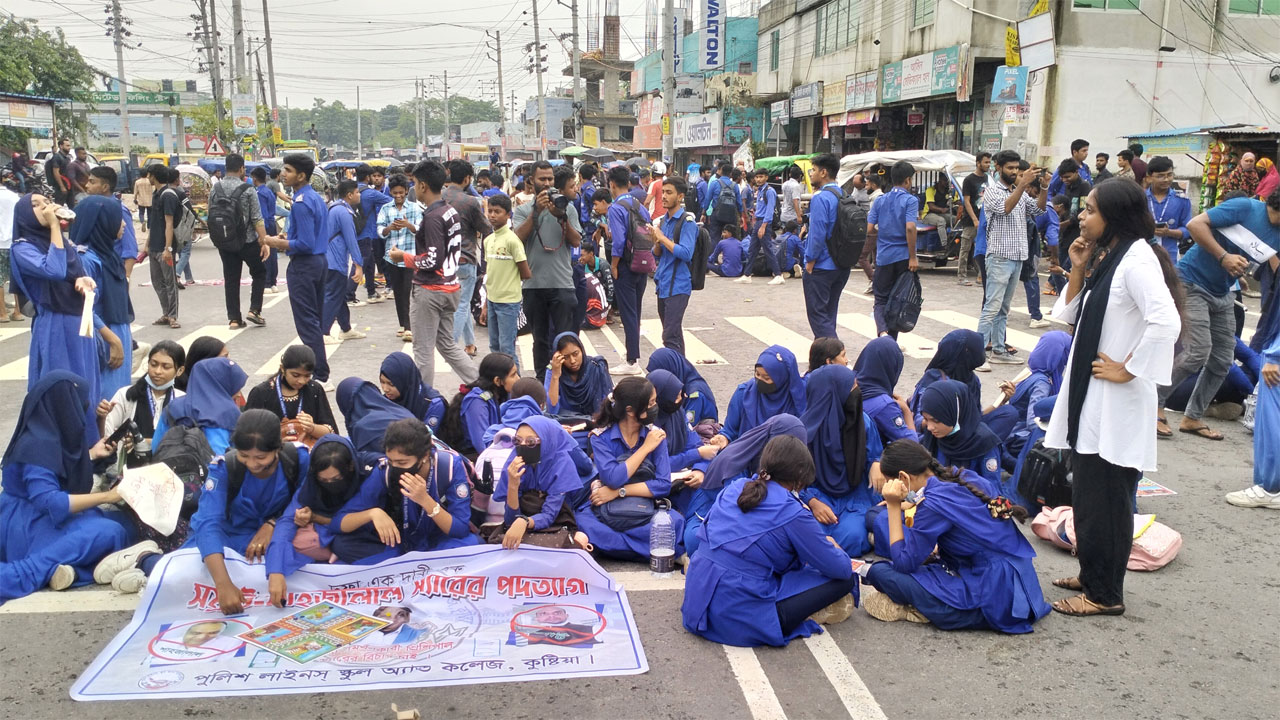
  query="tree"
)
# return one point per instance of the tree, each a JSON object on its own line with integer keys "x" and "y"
{"x": 204, "y": 120}
{"x": 41, "y": 63}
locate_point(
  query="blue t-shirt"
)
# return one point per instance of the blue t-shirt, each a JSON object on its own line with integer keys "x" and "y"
{"x": 890, "y": 213}
{"x": 1201, "y": 268}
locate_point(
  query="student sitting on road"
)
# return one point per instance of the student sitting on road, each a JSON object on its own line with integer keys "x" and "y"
{"x": 726, "y": 258}
{"x": 1012, "y": 421}
{"x": 535, "y": 489}
{"x": 791, "y": 249}
{"x": 827, "y": 351}
{"x": 402, "y": 383}
{"x": 699, "y": 403}
{"x": 208, "y": 405}
{"x": 295, "y": 398}
{"x": 959, "y": 354}
{"x": 878, "y": 367}
{"x": 476, "y": 406}
{"x": 577, "y": 382}
{"x": 367, "y": 413}
{"x": 766, "y": 565}
{"x": 776, "y": 388}
{"x": 955, "y": 434}
{"x": 688, "y": 454}
{"x": 143, "y": 401}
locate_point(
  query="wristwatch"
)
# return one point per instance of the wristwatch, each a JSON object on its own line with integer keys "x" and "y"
{"x": 622, "y": 492}
{"x": 435, "y": 511}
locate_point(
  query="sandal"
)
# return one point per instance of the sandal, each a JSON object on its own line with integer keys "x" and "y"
{"x": 1081, "y": 606}
{"x": 256, "y": 318}
{"x": 1069, "y": 583}
{"x": 1162, "y": 428}
{"x": 162, "y": 320}
{"x": 1203, "y": 431}
{"x": 174, "y": 324}
{"x": 236, "y": 325}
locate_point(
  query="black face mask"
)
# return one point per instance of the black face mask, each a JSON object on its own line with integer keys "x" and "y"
{"x": 768, "y": 388}
{"x": 650, "y": 414}
{"x": 331, "y": 492}
{"x": 668, "y": 408}
{"x": 395, "y": 473}
{"x": 530, "y": 454}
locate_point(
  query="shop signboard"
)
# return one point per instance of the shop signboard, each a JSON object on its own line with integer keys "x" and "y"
{"x": 891, "y": 90}
{"x": 933, "y": 73}
{"x": 18, "y": 114}
{"x": 860, "y": 90}
{"x": 648, "y": 137}
{"x": 917, "y": 76}
{"x": 244, "y": 113}
{"x": 780, "y": 111}
{"x": 806, "y": 100}
{"x": 690, "y": 93}
{"x": 102, "y": 99}
{"x": 833, "y": 98}
{"x": 704, "y": 130}
{"x": 946, "y": 70}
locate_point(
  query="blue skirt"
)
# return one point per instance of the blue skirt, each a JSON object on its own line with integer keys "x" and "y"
{"x": 113, "y": 380}
{"x": 56, "y": 345}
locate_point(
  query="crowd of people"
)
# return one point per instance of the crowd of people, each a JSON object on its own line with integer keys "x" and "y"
{"x": 773, "y": 501}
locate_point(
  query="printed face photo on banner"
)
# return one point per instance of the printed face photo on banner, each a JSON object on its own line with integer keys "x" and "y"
{"x": 198, "y": 640}
{"x": 563, "y": 625}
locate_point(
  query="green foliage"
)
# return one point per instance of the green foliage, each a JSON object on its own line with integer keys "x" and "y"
{"x": 336, "y": 122}
{"x": 37, "y": 62}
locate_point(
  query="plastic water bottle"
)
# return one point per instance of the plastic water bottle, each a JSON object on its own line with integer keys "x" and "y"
{"x": 662, "y": 541}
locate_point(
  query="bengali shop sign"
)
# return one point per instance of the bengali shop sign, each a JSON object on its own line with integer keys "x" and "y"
{"x": 473, "y": 615}
{"x": 933, "y": 73}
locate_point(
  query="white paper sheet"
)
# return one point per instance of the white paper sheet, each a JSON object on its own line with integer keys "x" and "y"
{"x": 86, "y": 315}
{"x": 155, "y": 493}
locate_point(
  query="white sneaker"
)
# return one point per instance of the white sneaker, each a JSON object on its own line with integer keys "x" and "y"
{"x": 332, "y": 339}
{"x": 63, "y": 576}
{"x": 1254, "y": 497}
{"x": 376, "y": 299}
{"x": 353, "y": 334}
{"x": 1041, "y": 323}
{"x": 271, "y": 290}
{"x": 357, "y": 303}
{"x": 996, "y": 358}
{"x": 121, "y": 560}
{"x": 129, "y": 581}
{"x": 984, "y": 367}
{"x": 626, "y": 369}
{"x": 797, "y": 270}
{"x": 745, "y": 279}
{"x": 327, "y": 386}
{"x": 777, "y": 280}
{"x": 871, "y": 289}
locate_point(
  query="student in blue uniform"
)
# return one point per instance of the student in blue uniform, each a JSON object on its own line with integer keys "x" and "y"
{"x": 476, "y": 406}
{"x": 959, "y": 354}
{"x": 402, "y": 384}
{"x": 955, "y": 434}
{"x": 47, "y": 271}
{"x": 630, "y": 451}
{"x": 699, "y": 403}
{"x": 777, "y": 388}
{"x": 687, "y": 452}
{"x": 845, "y": 446}
{"x": 985, "y": 579}
{"x": 791, "y": 249}
{"x": 51, "y": 530}
{"x": 528, "y": 398}
{"x": 878, "y": 367}
{"x": 738, "y": 460}
{"x": 209, "y": 403}
{"x": 766, "y": 564}
{"x": 576, "y": 382}
{"x": 97, "y": 227}
{"x": 538, "y": 485}
{"x": 1046, "y": 362}
{"x": 243, "y": 500}
{"x": 367, "y": 413}
{"x": 827, "y": 351}
{"x": 416, "y": 498}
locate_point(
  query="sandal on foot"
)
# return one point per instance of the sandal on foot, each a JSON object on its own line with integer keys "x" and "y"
{"x": 174, "y": 324}
{"x": 256, "y": 318}
{"x": 1081, "y": 606}
{"x": 1203, "y": 431}
{"x": 162, "y": 320}
{"x": 236, "y": 325}
{"x": 1069, "y": 583}
{"x": 1162, "y": 429}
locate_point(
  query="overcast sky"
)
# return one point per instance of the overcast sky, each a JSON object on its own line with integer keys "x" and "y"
{"x": 325, "y": 48}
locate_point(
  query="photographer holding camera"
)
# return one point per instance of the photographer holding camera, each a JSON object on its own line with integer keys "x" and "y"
{"x": 549, "y": 229}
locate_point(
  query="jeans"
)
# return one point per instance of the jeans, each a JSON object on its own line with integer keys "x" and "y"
{"x": 1102, "y": 502}
{"x": 628, "y": 288}
{"x": 463, "y": 331}
{"x": 1208, "y": 347}
{"x": 143, "y": 210}
{"x": 671, "y": 310}
{"x": 882, "y": 286}
{"x": 232, "y": 265}
{"x": 272, "y": 267}
{"x": 165, "y": 282}
{"x": 335, "y": 301}
{"x": 183, "y": 265}
{"x": 400, "y": 281}
{"x": 764, "y": 244}
{"x": 822, "y": 290}
{"x": 1002, "y": 282}
{"x": 306, "y": 275}
{"x": 1032, "y": 286}
{"x": 432, "y": 326}
{"x": 504, "y": 323}
{"x": 548, "y": 312}
{"x": 967, "y": 234}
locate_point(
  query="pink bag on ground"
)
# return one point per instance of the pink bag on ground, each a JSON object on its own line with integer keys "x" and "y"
{"x": 1155, "y": 546}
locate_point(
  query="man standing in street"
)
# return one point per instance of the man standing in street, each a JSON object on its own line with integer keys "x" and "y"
{"x": 716, "y": 214}
{"x": 241, "y": 199}
{"x": 1007, "y": 207}
{"x": 676, "y": 239}
{"x": 306, "y": 245}
{"x": 971, "y": 194}
{"x": 142, "y": 193}
{"x": 823, "y": 280}
{"x": 267, "y": 208}
{"x": 162, "y": 244}
{"x": 586, "y": 196}
{"x": 765, "y": 202}
{"x": 1079, "y": 156}
{"x": 436, "y": 288}
{"x": 475, "y": 228}
{"x": 894, "y": 217}
{"x": 371, "y": 201}
{"x": 653, "y": 196}
{"x": 792, "y": 189}
{"x": 398, "y": 223}
{"x": 78, "y": 173}
{"x": 867, "y": 260}
{"x": 342, "y": 252}
{"x": 55, "y": 171}
{"x": 548, "y": 233}
{"x": 1172, "y": 211}
{"x": 628, "y": 286}
{"x": 1138, "y": 164}
{"x": 1100, "y": 171}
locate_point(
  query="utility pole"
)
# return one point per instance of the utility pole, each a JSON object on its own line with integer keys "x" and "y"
{"x": 359, "y": 140}
{"x": 117, "y": 22}
{"x": 542, "y": 99}
{"x": 668, "y": 79}
{"x": 513, "y": 110}
{"x": 209, "y": 27}
{"x": 238, "y": 67}
{"x": 288, "y": 119}
{"x": 262, "y": 88}
{"x": 578, "y": 108}
{"x": 502, "y": 111}
{"x": 271, "y": 63}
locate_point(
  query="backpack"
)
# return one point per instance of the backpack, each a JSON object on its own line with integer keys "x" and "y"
{"x": 489, "y": 465}
{"x": 725, "y": 208}
{"x": 849, "y": 232}
{"x": 902, "y": 310}
{"x": 1046, "y": 476}
{"x": 702, "y": 248}
{"x": 691, "y": 204}
{"x": 1154, "y": 544}
{"x": 226, "y": 222}
{"x": 288, "y": 458}
{"x": 638, "y": 252}
{"x": 184, "y": 225}
{"x": 186, "y": 451}
{"x": 358, "y": 216}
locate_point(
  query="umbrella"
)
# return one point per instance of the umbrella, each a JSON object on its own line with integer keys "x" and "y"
{"x": 598, "y": 154}
{"x": 572, "y": 152}
{"x": 638, "y": 162}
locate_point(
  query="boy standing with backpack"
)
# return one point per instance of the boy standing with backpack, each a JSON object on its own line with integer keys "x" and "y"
{"x": 632, "y": 237}
{"x": 824, "y": 280}
{"x": 724, "y": 201}
{"x": 234, "y": 214}
{"x": 761, "y": 228}
{"x": 162, "y": 243}
{"x": 675, "y": 242}
{"x": 894, "y": 218}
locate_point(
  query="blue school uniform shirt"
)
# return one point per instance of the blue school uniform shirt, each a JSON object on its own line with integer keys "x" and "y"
{"x": 728, "y": 255}
{"x": 419, "y": 532}
{"x": 308, "y": 223}
{"x": 586, "y": 195}
{"x": 213, "y": 529}
{"x": 342, "y": 241}
{"x": 713, "y": 193}
{"x": 766, "y": 201}
{"x": 885, "y": 412}
{"x": 689, "y": 458}
{"x": 794, "y": 247}
{"x": 1201, "y": 268}
{"x": 610, "y": 452}
{"x": 479, "y": 411}
{"x": 987, "y": 467}
{"x": 890, "y": 214}
{"x": 267, "y": 203}
{"x": 281, "y": 557}
{"x": 1047, "y": 225}
{"x": 371, "y": 201}
{"x": 822, "y": 220}
{"x": 1176, "y": 211}
{"x": 619, "y": 217}
{"x": 673, "y": 276}
{"x": 700, "y": 192}
{"x": 127, "y": 244}
{"x": 1057, "y": 186}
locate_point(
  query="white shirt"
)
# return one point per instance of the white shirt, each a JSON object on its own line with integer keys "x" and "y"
{"x": 125, "y": 408}
{"x": 8, "y": 199}
{"x": 1118, "y": 419}
{"x": 791, "y": 191}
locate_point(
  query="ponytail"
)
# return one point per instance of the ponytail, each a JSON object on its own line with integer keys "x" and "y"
{"x": 493, "y": 365}
{"x": 633, "y": 392}
{"x": 753, "y": 492}
{"x": 912, "y": 458}
{"x": 784, "y": 460}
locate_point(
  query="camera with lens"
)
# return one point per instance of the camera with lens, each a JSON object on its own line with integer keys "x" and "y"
{"x": 558, "y": 199}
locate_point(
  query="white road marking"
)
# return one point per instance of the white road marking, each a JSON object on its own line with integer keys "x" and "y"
{"x": 848, "y": 685}
{"x": 587, "y": 345}
{"x": 274, "y": 300}
{"x": 88, "y": 600}
{"x": 916, "y": 346}
{"x": 643, "y": 581}
{"x": 771, "y": 332}
{"x": 222, "y": 332}
{"x": 7, "y": 333}
{"x": 1017, "y": 338}
{"x": 756, "y": 688}
{"x": 618, "y": 346}
{"x": 695, "y": 350}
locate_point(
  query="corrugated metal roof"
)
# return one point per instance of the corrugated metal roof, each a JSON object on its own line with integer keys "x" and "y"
{"x": 1238, "y": 128}
{"x": 1169, "y": 133}
{"x": 25, "y": 96}
{"x": 1247, "y": 130}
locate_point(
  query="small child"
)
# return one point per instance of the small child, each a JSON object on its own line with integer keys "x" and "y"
{"x": 507, "y": 267}
{"x": 790, "y": 249}
{"x": 597, "y": 267}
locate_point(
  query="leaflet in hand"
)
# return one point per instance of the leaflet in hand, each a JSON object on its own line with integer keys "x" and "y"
{"x": 155, "y": 494}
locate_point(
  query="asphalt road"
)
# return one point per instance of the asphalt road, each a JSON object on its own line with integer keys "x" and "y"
{"x": 1199, "y": 638}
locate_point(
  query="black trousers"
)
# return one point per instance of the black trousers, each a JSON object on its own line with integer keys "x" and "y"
{"x": 1102, "y": 501}
{"x": 796, "y": 609}
{"x": 400, "y": 281}
{"x": 232, "y": 265}
{"x": 548, "y": 312}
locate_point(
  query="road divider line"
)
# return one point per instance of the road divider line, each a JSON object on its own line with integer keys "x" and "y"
{"x": 854, "y": 693}
{"x": 89, "y": 600}
{"x": 771, "y": 332}
{"x": 15, "y": 369}
{"x": 587, "y": 346}
{"x": 916, "y": 346}
{"x": 644, "y": 581}
{"x": 762, "y": 701}
{"x": 612, "y": 337}
{"x": 276, "y": 299}
{"x": 272, "y": 365}
{"x": 224, "y": 332}
{"x": 8, "y": 333}
{"x": 698, "y": 352}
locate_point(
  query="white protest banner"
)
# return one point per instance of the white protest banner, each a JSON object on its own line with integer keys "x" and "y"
{"x": 473, "y": 615}
{"x": 155, "y": 494}
{"x": 1248, "y": 243}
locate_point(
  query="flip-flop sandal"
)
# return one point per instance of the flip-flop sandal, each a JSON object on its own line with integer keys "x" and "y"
{"x": 1163, "y": 430}
{"x": 256, "y": 318}
{"x": 1203, "y": 431}
{"x": 161, "y": 321}
{"x": 174, "y": 324}
{"x": 1069, "y": 583}
{"x": 1081, "y": 606}
{"x": 234, "y": 325}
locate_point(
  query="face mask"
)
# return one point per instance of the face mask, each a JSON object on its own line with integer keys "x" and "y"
{"x": 914, "y": 497}
{"x": 668, "y": 408}
{"x": 530, "y": 454}
{"x": 156, "y": 387}
{"x": 767, "y": 388}
{"x": 331, "y": 492}
{"x": 650, "y": 414}
{"x": 395, "y": 473}
{"x": 954, "y": 429}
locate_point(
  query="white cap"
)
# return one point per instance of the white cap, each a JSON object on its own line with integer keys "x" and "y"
{"x": 660, "y": 168}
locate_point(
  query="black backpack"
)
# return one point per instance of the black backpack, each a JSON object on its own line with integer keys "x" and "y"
{"x": 1046, "y": 476}
{"x": 702, "y": 247}
{"x": 849, "y": 232}
{"x": 187, "y": 453}
{"x": 902, "y": 310}
{"x": 358, "y": 217}
{"x": 725, "y": 208}
{"x": 227, "y": 228}
{"x": 288, "y": 459}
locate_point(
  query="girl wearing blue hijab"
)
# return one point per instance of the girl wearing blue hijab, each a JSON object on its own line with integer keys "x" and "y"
{"x": 777, "y": 388}
{"x": 959, "y": 354}
{"x": 536, "y": 484}
{"x": 97, "y": 227}
{"x": 1046, "y": 362}
{"x": 878, "y": 367}
{"x": 51, "y": 530}
{"x": 47, "y": 271}
{"x": 955, "y": 434}
{"x": 689, "y": 456}
{"x": 366, "y": 412}
{"x": 845, "y": 445}
{"x": 209, "y": 403}
{"x": 576, "y": 382}
{"x": 699, "y": 403}
{"x": 402, "y": 384}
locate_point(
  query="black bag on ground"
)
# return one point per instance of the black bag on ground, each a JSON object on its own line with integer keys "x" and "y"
{"x": 849, "y": 234}
{"x": 1046, "y": 476}
{"x": 227, "y": 228}
{"x": 902, "y": 310}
